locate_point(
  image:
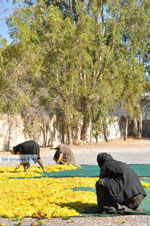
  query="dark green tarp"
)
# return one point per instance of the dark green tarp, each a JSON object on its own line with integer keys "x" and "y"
{"x": 143, "y": 170}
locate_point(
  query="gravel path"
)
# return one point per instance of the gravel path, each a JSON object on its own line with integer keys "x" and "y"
{"x": 131, "y": 151}
{"x": 86, "y": 221}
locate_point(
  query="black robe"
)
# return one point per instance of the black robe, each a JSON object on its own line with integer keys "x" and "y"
{"x": 28, "y": 148}
{"x": 121, "y": 182}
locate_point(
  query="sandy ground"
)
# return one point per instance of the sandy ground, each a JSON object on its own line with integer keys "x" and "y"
{"x": 130, "y": 151}
{"x": 84, "y": 221}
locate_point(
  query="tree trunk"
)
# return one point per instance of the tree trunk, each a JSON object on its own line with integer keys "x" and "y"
{"x": 126, "y": 127}
{"x": 77, "y": 132}
{"x": 63, "y": 133}
{"x": 45, "y": 132}
{"x": 69, "y": 135}
{"x": 105, "y": 132}
{"x": 96, "y": 138}
{"x": 140, "y": 126}
{"x": 86, "y": 129}
{"x": 135, "y": 127}
{"x": 9, "y": 132}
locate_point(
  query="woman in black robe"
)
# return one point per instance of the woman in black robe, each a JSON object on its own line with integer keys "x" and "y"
{"x": 28, "y": 150}
{"x": 118, "y": 190}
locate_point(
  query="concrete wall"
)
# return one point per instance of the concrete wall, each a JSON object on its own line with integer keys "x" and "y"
{"x": 146, "y": 114}
{"x": 12, "y": 131}
{"x": 114, "y": 129}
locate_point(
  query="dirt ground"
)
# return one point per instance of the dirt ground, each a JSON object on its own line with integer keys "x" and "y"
{"x": 130, "y": 151}
{"x": 83, "y": 221}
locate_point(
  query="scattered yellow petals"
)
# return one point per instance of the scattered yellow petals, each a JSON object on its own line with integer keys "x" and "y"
{"x": 145, "y": 185}
{"x": 44, "y": 197}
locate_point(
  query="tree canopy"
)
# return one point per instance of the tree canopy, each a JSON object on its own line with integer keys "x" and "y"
{"x": 80, "y": 56}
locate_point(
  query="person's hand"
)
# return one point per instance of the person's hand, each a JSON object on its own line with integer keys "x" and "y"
{"x": 17, "y": 167}
{"x": 102, "y": 182}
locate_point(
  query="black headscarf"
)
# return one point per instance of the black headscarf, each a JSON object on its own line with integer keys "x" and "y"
{"x": 103, "y": 157}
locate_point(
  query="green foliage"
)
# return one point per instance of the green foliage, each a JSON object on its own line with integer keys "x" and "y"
{"x": 40, "y": 222}
{"x": 66, "y": 218}
{"x": 146, "y": 86}
{"x": 16, "y": 219}
{"x": 14, "y": 95}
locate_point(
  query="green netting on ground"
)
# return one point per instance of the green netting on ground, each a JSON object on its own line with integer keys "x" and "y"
{"x": 145, "y": 204}
{"x": 143, "y": 170}
{"x": 83, "y": 171}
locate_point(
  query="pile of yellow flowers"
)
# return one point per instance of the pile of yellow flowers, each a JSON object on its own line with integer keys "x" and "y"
{"x": 10, "y": 171}
{"x": 145, "y": 185}
{"x": 44, "y": 197}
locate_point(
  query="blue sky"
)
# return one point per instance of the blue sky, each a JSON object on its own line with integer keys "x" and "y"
{"x": 6, "y": 8}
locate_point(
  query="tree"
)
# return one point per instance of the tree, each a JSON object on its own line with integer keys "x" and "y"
{"x": 87, "y": 57}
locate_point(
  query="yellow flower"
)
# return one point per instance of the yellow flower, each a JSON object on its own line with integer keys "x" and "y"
{"x": 44, "y": 197}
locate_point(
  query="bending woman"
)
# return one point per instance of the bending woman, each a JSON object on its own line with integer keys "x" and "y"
{"x": 118, "y": 189}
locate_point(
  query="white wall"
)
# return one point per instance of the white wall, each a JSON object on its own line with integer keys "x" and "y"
{"x": 12, "y": 132}
{"x": 114, "y": 129}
